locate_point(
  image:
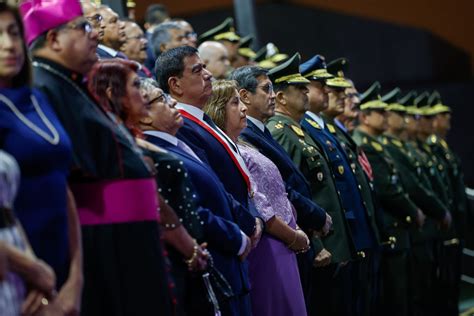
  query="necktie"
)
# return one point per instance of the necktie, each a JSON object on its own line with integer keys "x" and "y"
{"x": 183, "y": 146}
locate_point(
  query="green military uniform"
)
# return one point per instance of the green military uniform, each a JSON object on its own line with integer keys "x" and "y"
{"x": 398, "y": 212}
{"x": 312, "y": 162}
{"x": 450, "y": 248}
{"x": 420, "y": 191}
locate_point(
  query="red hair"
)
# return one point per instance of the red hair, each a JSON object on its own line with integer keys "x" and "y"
{"x": 113, "y": 74}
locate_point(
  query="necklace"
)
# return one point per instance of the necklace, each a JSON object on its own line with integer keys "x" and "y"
{"x": 110, "y": 116}
{"x": 54, "y": 139}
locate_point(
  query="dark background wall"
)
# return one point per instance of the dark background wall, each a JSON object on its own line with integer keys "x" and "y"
{"x": 392, "y": 53}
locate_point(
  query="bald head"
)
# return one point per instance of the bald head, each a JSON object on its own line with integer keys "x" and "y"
{"x": 216, "y": 58}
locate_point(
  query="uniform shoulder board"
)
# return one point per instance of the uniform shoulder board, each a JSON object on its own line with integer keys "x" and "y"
{"x": 331, "y": 128}
{"x": 397, "y": 143}
{"x": 443, "y": 143}
{"x": 297, "y": 130}
{"x": 376, "y": 146}
{"x": 385, "y": 140}
{"x": 313, "y": 123}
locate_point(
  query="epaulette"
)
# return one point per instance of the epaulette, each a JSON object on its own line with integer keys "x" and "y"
{"x": 313, "y": 123}
{"x": 376, "y": 146}
{"x": 298, "y": 131}
{"x": 397, "y": 143}
{"x": 331, "y": 128}
{"x": 444, "y": 143}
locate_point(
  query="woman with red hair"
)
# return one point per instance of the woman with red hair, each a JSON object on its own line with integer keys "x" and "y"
{"x": 115, "y": 85}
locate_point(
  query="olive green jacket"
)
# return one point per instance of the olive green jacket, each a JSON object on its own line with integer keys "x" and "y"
{"x": 417, "y": 184}
{"x": 441, "y": 150}
{"x": 312, "y": 162}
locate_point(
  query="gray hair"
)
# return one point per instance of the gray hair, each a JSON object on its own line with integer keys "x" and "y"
{"x": 148, "y": 83}
{"x": 161, "y": 35}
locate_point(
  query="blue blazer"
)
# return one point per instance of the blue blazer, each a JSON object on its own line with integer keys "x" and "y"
{"x": 346, "y": 183}
{"x": 310, "y": 215}
{"x": 211, "y": 151}
{"x": 216, "y": 211}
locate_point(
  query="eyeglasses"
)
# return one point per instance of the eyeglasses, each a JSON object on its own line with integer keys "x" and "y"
{"x": 96, "y": 18}
{"x": 163, "y": 98}
{"x": 268, "y": 88}
{"x": 83, "y": 25}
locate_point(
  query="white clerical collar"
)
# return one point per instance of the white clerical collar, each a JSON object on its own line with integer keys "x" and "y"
{"x": 317, "y": 118}
{"x": 258, "y": 123}
{"x": 191, "y": 109}
{"x": 164, "y": 136}
{"x": 108, "y": 50}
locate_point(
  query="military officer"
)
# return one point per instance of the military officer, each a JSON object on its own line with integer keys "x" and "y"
{"x": 224, "y": 33}
{"x": 331, "y": 293}
{"x": 269, "y": 56}
{"x": 448, "y": 251}
{"x": 398, "y": 211}
{"x": 322, "y": 83}
{"x": 418, "y": 186}
{"x": 245, "y": 53}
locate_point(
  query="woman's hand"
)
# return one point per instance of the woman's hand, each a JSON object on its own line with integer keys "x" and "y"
{"x": 301, "y": 243}
{"x": 199, "y": 258}
{"x": 69, "y": 298}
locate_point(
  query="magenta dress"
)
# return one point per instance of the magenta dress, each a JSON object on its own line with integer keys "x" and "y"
{"x": 273, "y": 270}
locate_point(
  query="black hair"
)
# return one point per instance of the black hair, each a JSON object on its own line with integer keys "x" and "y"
{"x": 171, "y": 63}
{"x": 246, "y": 77}
{"x": 24, "y": 76}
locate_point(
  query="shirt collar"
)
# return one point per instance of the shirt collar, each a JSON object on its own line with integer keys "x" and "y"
{"x": 340, "y": 125}
{"x": 164, "y": 136}
{"x": 191, "y": 109}
{"x": 317, "y": 118}
{"x": 258, "y": 123}
{"x": 108, "y": 50}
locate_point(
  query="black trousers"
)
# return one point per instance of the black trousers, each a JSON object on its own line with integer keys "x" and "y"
{"x": 394, "y": 284}
{"x": 422, "y": 271}
{"x": 331, "y": 294}
{"x": 447, "y": 278}
{"x": 365, "y": 283}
